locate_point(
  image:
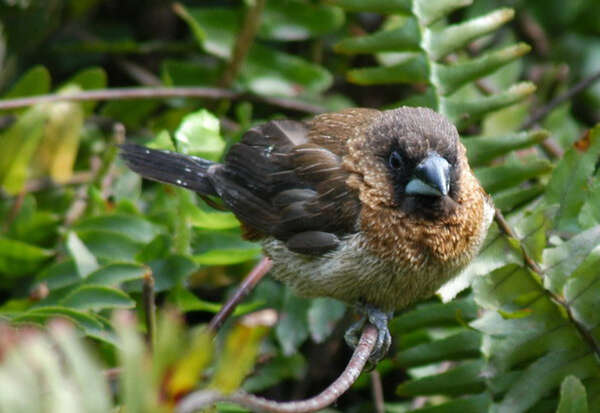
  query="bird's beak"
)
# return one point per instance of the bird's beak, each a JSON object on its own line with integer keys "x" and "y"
{"x": 431, "y": 177}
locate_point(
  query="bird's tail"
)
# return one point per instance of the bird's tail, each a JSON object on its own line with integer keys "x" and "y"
{"x": 174, "y": 168}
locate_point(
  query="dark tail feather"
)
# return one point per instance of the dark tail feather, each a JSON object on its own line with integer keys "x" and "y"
{"x": 174, "y": 168}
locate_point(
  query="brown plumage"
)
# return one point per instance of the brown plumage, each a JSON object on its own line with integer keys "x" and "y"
{"x": 374, "y": 208}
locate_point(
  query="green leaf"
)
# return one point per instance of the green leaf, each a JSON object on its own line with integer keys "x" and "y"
{"x": 435, "y": 314}
{"x": 559, "y": 262}
{"x": 323, "y": 315}
{"x": 199, "y": 135}
{"x": 405, "y": 38}
{"x": 110, "y": 245}
{"x": 237, "y": 359}
{"x": 442, "y": 42}
{"x": 512, "y": 198}
{"x": 113, "y": 275}
{"x": 497, "y": 251}
{"x": 84, "y": 260}
{"x": 430, "y": 11}
{"x": 36, "y": 81}
{"x": 132, "y": 226}
{"x": 470, "y": 404}
{"x": 573, "y": 398}
{"x": 276, "y": 370}
{"x": 456, "y": 347}
{"x": 88, "y": 322}
{"x": 375, "y": 6}
{"x": 18, "y": 258}
{"x": 96, "y": 298}
{"x": 228, "y": 256}
{"x": 463, "y": 379}
{"x": 88, "y": 79}
{"x": 462, "y": 111}
{"x": 170, "y": 271}
{"x": 292, "y": 327}
{"x": 19, "y": 144}
{"x": 60, "y": 274}
{"x": 451, "y": 77}
{"x": 511, "y": 173}
{"x": 482, "y": 150}
{"x": 413, "y": 69}
{"x": 291, "y": 20}
{"x": 265, "y": 70}
{"x": 545, "y": 373}
{"x": 569, "y": 184}
{"x": 581, "y": 292}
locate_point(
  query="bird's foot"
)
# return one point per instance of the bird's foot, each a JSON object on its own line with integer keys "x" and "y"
{"x": 380, "y": 320}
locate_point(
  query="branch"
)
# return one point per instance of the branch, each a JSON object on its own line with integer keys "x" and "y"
{"x": 204, "y": 398}
{"x": 149, "y": 300}
{"x": 244, "y": 41}
{"x": 569, "y": 94}
{"x": 257, "y": 273}
{"x": 377, "y": 389}
{"x": 159, "y": 93}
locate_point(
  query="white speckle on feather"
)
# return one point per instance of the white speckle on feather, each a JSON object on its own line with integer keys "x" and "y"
{"x": 187, "y": 170}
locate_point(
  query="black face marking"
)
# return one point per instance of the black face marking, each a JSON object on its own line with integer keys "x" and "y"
{"x": 395, "y": 160}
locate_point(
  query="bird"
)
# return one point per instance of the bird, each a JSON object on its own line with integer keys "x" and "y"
{"x": 377, "y": 209}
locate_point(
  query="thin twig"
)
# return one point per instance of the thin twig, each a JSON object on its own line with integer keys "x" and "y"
{"x": 203, "y": 398}
{"x": 377, "y": 390}
{"x": 244, "y": 41}
{"x": 149, "y": 300}
{"x": 534, "y": 266}
{"x": 257, "y": 273}
{"x": 569, "y": 94}
{"x": 159, "y": 93}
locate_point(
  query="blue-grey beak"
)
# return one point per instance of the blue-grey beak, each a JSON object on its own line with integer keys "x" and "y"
{"x": 431, "y": 177}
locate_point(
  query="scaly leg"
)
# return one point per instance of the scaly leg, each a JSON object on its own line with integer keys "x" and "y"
{"x": 380, "y": 320}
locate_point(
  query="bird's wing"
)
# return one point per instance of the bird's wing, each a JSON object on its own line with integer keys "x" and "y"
{"x": 281, "y": 181}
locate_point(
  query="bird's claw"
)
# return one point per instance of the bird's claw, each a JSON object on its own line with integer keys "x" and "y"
{"x": 380, "y": 320}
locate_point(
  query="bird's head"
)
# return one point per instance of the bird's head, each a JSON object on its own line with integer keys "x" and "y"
{"x": 414, "y": 159}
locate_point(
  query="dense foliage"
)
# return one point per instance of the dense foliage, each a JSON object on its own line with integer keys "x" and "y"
{"x": 82, "y": 237}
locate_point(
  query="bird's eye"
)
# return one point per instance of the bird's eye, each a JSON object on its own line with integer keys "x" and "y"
{"x": 395, "y": 160}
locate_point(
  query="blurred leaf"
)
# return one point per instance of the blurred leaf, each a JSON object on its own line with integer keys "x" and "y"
{"x": 323, "y": 315}
{"x": 84, "y": 260}
{"x": 435, "y": 314}
{"x": 56, "y": 152}
{"x": 570, "y": 181}
{"x": 573, "y": 397}
{"x": 87, "y": 79}
{"x": 292, "y": 328}
{"x": 113, "y": 275}
{"x": 456, "y": 347}
{"x": 97, "y": 297}
{"x": 132, "y": 226}
{"x": 290, "y": 20}
{"x": 36, "y": 81}
{"x": 18, "y": 258}
{"x": 19, "y": 143}
{"x": 189, "y": 367}
{"x": 237, "y": 360}
{"x": 265, "y": 71}
{"x": 483, "y": 149}
{"x": 109, "y": 245}
{"x": 199, "y": 135}
{"x": 466, "y": 378}
{"x": 171, "y": 271}
{"x": 276, "y": 370}
{"x": 511, "y": 173}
